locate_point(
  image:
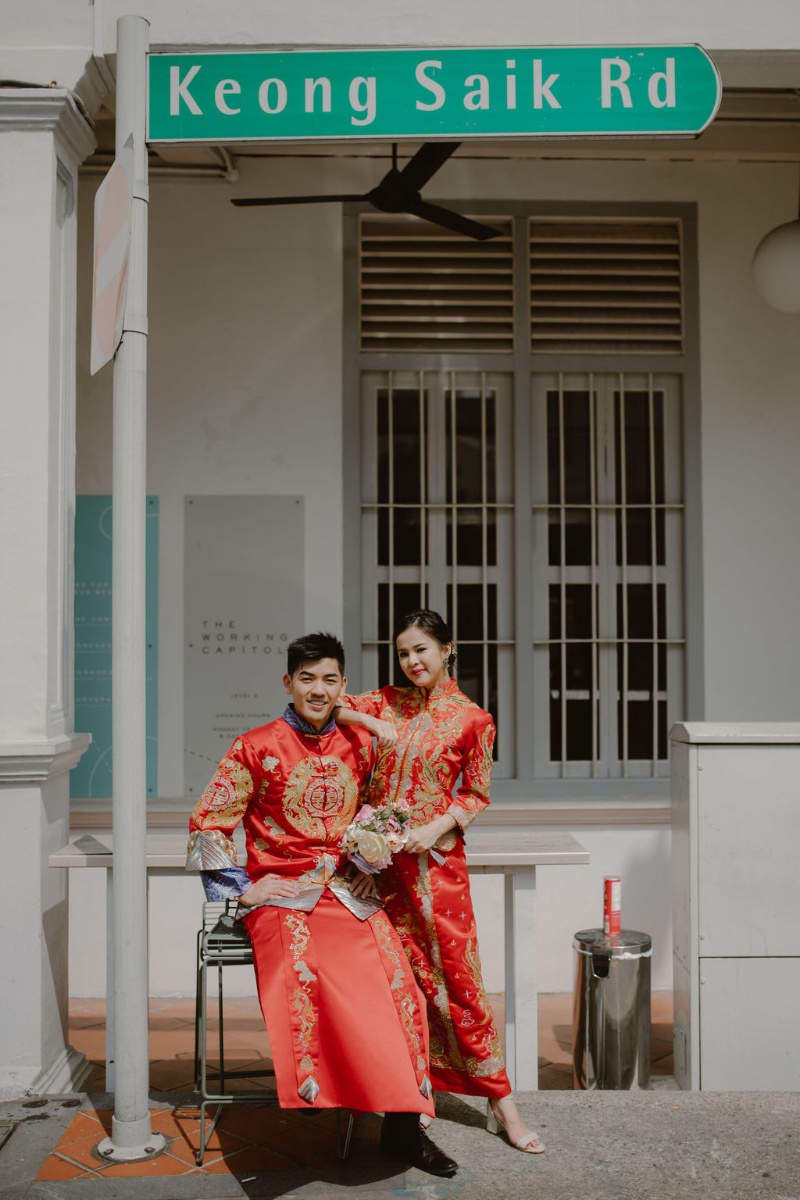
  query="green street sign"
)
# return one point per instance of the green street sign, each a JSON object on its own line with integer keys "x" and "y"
{"x": 572, "y": 91}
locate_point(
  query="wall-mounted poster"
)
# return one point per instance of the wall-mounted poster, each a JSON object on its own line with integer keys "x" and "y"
{"x": 243, "y": 604}
{"x": 92, "y": 777}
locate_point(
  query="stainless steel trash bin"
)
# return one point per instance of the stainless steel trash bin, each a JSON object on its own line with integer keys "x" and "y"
{"x": 611, "y": 1010}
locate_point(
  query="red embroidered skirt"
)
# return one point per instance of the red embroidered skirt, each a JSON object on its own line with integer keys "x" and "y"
{"x": 431, "y": 908}
{"x": 344, "y": 1016}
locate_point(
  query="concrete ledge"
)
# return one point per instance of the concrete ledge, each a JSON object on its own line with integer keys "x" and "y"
{"x": 34, "y": 762}
{"x": 745, "y": 733}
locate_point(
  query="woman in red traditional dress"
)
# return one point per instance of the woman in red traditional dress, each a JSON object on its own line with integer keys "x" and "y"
{"x": 438, "y": 734}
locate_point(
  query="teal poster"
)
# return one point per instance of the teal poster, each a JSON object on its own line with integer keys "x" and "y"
{"x": 93, "y": 775}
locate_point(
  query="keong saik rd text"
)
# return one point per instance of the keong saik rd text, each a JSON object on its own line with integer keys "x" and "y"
{"x": 477, "y": 92}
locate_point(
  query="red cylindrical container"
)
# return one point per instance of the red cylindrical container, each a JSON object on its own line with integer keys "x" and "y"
{"x": 612, "y": 905}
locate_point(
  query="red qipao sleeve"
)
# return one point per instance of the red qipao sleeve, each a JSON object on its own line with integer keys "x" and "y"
{"x": 374, "y": 704}
{"x": 472, "y": 796}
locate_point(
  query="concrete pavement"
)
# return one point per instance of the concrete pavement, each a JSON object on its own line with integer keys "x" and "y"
{"x": 663, "y": 1144}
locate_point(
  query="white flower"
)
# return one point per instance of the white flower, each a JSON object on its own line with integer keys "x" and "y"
{"x": 372, "y": 846}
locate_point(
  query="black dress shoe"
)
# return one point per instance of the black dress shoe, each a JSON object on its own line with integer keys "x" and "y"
{"x": 402, "y": 1138}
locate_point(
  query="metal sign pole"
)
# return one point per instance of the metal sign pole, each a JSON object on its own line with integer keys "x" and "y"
{"x": 131, "y": 1132}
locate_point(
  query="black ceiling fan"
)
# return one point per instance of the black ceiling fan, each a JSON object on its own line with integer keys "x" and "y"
{"x": 399, "y": 192}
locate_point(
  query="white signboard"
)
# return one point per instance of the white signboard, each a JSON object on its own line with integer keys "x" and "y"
{"x": 244, "y": 602}
{"x": 112, "y": 247}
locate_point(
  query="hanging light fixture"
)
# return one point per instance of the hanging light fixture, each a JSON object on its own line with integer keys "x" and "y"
{"x": 776, "y": 267}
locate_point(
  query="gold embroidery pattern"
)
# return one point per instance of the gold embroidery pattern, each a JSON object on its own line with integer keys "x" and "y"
{"x": 321, "y": 797}
{"x": 462, "y": 815}
{"x": 442, "y": 1031}
{"x": 409, "y": 1015}
{"x": 305, "y": 1012}
{"x": 478, "y": 768}
{"x": 391, "y": 950}
{"x": 494, "y": 1060}
{"x": 446, "y": 1050}
{"x": 473, "y": 961}
{"x": 226, "y": 796}
{"x": 273, "y": 828}
{"x": 405, "y": 1001}
{"x": 444, "y": 735}
{"x": 301, "y": 999}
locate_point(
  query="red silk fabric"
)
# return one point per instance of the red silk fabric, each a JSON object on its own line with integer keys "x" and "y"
{"x": 346, "y": 1020}
{"x": 295, "y": 794}
{"x": 442, "y": 735}
{"x": 340, "y": 1005}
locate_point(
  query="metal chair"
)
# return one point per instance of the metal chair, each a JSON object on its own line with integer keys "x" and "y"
{"x": 223, "y": 942}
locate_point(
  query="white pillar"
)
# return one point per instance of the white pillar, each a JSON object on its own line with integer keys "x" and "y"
{"x": 43, "y": 138}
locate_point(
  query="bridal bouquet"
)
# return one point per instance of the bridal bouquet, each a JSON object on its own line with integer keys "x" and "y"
{"x": 375, "y": 835}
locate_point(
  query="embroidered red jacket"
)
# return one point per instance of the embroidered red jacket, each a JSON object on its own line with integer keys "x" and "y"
{"x": 442, "y": 735}
{"x": 295, "y": 793}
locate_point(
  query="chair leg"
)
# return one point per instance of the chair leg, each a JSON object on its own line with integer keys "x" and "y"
{"x": 205, "y": 1137}
{"x": 197, "y": 1015}
{"x": 202, "y": 1028}
{"x": 344, "y": 1140}
{"x": 221, "y": 1029}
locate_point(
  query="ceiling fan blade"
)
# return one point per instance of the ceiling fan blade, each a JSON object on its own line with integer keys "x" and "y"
{"x": 252, "y": 201}
{"x": 425, "y": 163}
{"x": 453, "y": 220}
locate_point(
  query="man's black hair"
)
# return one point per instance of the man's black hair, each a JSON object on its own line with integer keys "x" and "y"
{"x": 311, "y": 648}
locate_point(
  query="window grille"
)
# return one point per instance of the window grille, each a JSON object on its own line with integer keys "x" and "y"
{"x": 607, "y": 510}
{"x": 437, "y": 524}
{"x": 606, "y": 286}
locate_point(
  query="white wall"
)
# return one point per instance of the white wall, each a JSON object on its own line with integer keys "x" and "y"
{"x": 736, "y": 24}
{"x": 245, "y": 396}
{"x": 45, "y": 40}
{"x": 245, "y": 376}
{"x": 244, "y": 380}
{"x": 570, "y": 898}
{"x": 722, "y": 23}
{"x": 27, "y": 187}
{"x": 751, "y": 434}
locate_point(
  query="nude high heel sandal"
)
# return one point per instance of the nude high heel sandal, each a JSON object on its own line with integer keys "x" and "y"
{"x": 530, "y": 1144}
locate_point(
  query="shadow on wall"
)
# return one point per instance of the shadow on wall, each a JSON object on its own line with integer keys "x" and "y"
{"x": 647, "y": 893}
{"x": 571, "y": 898}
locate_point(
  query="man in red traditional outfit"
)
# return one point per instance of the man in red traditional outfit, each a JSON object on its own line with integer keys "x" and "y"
{"x": 345, "y": 1019}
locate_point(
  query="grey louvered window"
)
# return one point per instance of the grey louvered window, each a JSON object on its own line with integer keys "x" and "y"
{"x": 425, "y": 289}
{"x": 606, "y": 286}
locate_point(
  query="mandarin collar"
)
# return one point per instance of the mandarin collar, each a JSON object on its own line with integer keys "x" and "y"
{"x": 303, "y": 726}
{"x": 440, "y": 690}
